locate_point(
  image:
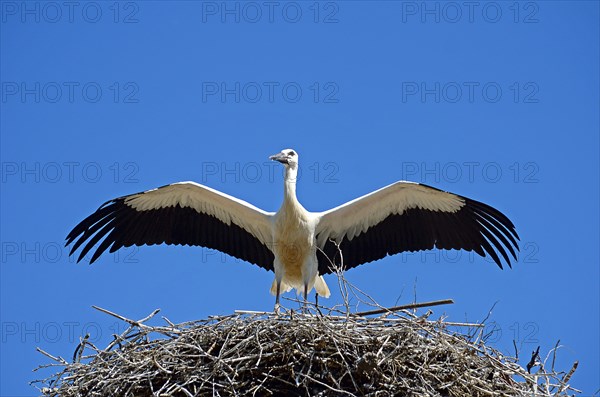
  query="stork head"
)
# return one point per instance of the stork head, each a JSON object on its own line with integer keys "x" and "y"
{"x": 287, "y": 157}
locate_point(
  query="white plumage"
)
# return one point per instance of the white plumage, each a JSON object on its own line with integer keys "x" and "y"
{"x": 296, "y": 244}
{"x": 205, "y": 200}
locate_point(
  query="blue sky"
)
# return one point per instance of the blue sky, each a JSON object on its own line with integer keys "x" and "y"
{"x": 495, "y": 101}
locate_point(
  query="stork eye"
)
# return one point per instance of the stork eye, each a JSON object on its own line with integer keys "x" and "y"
{"x": 291, "y": 153}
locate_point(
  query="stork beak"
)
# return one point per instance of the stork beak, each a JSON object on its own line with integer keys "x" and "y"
{"x": 282, "y": 158}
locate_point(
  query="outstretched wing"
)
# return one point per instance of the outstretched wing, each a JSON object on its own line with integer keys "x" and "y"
{"x": 184, "y": 213}
{"x": 407, "y": 216}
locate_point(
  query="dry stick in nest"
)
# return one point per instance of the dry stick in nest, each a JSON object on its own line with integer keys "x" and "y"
{"x": 263, "y": 354}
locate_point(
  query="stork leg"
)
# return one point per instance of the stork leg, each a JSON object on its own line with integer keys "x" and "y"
{"x": 305, "y": 306}
{"x": 277, "y": 306}
{"x": 317, "y": 303}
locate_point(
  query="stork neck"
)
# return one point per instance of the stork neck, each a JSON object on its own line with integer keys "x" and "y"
{"x": 289, "y": 184}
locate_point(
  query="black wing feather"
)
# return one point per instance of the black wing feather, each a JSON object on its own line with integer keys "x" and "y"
{"x": 475, "y": 227}
{"x": 124, "y": 226}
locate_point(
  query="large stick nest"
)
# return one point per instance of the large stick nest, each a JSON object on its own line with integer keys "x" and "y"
{"x": 264, "y": 354}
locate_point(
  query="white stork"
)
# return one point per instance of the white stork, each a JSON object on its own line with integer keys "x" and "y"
{"x": 298, "y": 245}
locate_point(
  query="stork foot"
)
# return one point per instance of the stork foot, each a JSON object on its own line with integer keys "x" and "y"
{"x": 305, "y": 309}
{"x": 277, "y": 308}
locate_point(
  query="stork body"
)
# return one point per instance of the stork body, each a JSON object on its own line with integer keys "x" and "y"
{"x": 297, "y": 245}
{"x": 295, "y": 248}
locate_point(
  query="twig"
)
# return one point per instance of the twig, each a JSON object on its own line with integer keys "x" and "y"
{"x": 138, "y": 323}
{"x": 405, "y": 307}
{"x": 567, "y": 377}
{"x": 57, "y": 359}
